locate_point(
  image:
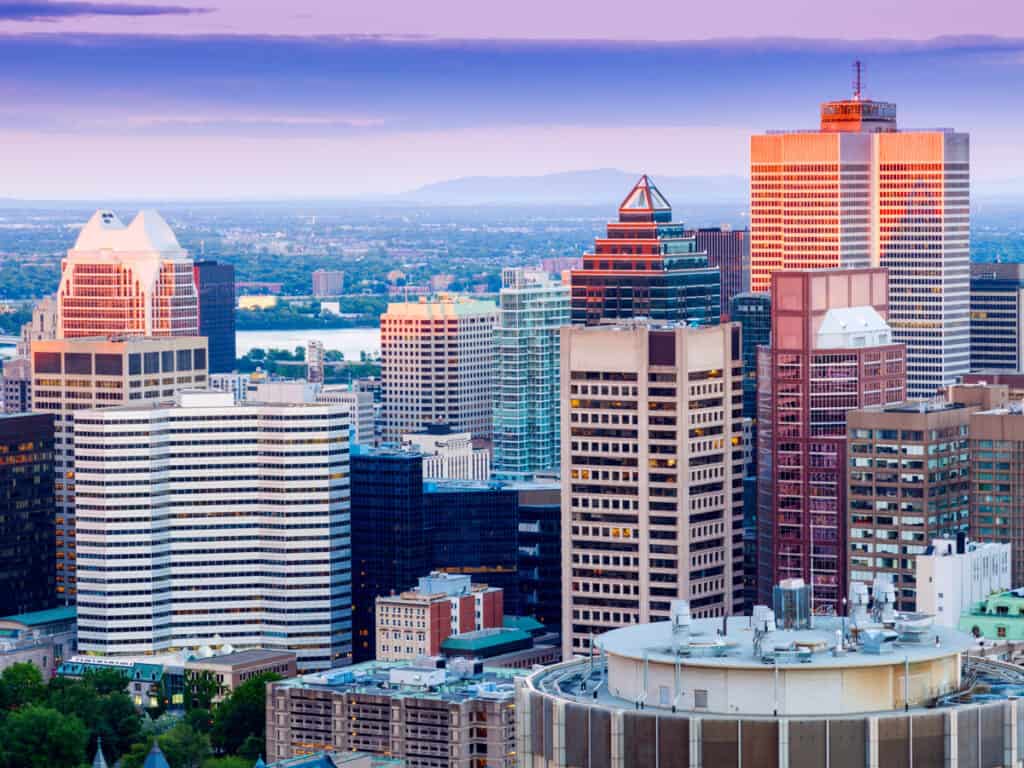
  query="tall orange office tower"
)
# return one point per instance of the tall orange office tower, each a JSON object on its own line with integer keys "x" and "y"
{"x": 859, "y": 192}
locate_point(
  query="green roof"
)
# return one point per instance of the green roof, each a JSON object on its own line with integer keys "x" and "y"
{"x": 525, "y": 623}
{"x": 485, "y": 639}
{"x": 52, "y": 616}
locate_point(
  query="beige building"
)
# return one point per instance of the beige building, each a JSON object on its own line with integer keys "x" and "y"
{"x": 232, "y": 669}
{"x": 652, "y": 475}
{"x": 437, "y": 358}
{"x": 449, "y": 455}
{"x": 71, "y": 374}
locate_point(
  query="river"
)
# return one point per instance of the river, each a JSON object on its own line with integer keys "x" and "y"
{"x": 349, "y": 341}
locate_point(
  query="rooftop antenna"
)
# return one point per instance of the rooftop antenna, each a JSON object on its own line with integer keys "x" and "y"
{"x": 858, "y": 71}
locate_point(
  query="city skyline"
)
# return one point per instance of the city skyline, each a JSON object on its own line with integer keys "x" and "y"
{"x": 244, "y": 116}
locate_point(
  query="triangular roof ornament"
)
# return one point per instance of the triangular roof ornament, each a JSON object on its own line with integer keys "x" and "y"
{"x": 99, "y": 761}
{"x": 645, "y": 197}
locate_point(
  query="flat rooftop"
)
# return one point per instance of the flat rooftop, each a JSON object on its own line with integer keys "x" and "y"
{"x": 654, "y": 643}
{"x": 374, "y": 678}
{"x": 253, "y": 656}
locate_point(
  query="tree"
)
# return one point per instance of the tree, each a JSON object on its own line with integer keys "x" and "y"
{"x": 21, "y": 684}
{"x": 228, "y": 762}
{"x": 40, "y": 737}
{"x": 106, "y": 680}
{"x": 201, "y": 687}
{"x": 241, "y": 715}
{"x": 200, "y": 720}
{"x": 182, "y": 746}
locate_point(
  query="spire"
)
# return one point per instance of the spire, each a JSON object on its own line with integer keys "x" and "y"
{"x": 858, "y": 71}
{"x": 99, "y": 761}
{"x": 645, "y": 203}
{"x": 260, "y": 763}
{"x": 155, "y": 758}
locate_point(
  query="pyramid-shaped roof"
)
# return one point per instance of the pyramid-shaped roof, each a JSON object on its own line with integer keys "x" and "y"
{"x": 99, "y": 761}
{"x": 644, "y": 198}
{"x": 155, "y": 758}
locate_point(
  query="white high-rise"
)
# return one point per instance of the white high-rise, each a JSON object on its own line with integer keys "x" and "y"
{"x": 437, "y": 360}
{"x": 205, "y": 522}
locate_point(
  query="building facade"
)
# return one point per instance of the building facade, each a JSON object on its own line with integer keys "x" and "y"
{"x": 389, "y": 545}
{"x": 69, "y": 375}
{"x": 753, "y": 311}
{"x": 27, "y": 513}
{"x": 955, "y": 574}
{"x": 858, "y": 192}
{"x": 729, "y": 250}
{"x": 416, "y": 622}
{"x": 652, "y": 475}
{"x": 17, "y": 385}
{"x": 196, "y": 552}
{"x": 647, "y": 266}
{"x": 831, "y": 351}
{"x": 430, "y": 717}
{"x": 134, "y": 280}
{"x": 997, "y": 481}
{"x": 327, "y": 283}
{"x": 532, "y": 308}
{"x": 215, "y": 286}
{"x": 437, "y": 361}
{"x": 907, "y": 483}
{"x": 540, "y": 552}
{"x": 997, "y": 317}
{"x": 449, "y": 455}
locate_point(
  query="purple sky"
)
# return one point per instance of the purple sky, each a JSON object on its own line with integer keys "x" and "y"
{"x": 545, "y": 19}
{"x": 251, "y": 98}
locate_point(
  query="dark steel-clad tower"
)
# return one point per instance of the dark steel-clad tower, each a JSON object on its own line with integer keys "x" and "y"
{"x": 215, "y": 284}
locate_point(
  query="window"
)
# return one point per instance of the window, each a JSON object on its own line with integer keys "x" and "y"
{"x": 700, "y": 698}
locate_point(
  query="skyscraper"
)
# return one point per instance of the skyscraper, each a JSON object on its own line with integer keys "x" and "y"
{"x": 729, "y": 250}
{"x": 215, "y": 284}
{"x": 647, "y": 266}
{"x": 753, "y": 311}
{"x": 437, "y": 361}
{"x": 831, "y": 352}
{"x": 859, "y": 192}
{"x": 997, "y": 317}
{"x": 26, "y": 513}
{"x": 197, "y": 552}
{"x": 532, "y": 308}
{"x": 134, "y": 280}
{"x": 71, "y": 374}
{"x": 652, "y": 475}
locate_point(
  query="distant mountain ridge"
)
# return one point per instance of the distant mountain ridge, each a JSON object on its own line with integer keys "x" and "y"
{"x": 604, "y": 186}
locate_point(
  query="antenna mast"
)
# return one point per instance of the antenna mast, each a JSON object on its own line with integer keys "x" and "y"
{"x": 858, "y": 69}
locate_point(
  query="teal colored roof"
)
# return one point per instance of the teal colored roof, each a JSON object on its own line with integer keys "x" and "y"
{"x": 36, "y": 618}
{"x": 525, "y": 623}
{"x": 150, "y": 673}
{"x": 484, "y": 639}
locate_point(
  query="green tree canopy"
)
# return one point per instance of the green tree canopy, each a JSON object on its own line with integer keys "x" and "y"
{"x": 40, "y": 737}
{"x": 242, "y": 715}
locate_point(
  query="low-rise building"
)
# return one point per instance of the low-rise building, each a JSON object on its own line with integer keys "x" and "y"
{"x": 431, "y": 714}
{"x": 42, "y": 638}
{"x": 150, "y": 681}
{"x": 230, "y": 670}
{"x": 956, "y": 574}
{"x": 416, "y": 622}
{"x": 506, "y": 647}
{"x": 997, "y": 617}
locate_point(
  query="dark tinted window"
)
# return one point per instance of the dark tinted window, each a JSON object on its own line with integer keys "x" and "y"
{"x": 134, "y": 364}
{"x": 167, "y": 361}
{"x": 152, "y": 362}
{"x": 78, "y": 362}
{"x": 184, "y": 359}
{"x": 47, "y": 362}
{"x": 110, "y": 365}
{"x": 200, "y": 359}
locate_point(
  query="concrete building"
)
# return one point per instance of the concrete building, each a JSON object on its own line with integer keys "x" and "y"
{"x": 907, "y": 482}
{"x": 449, "y": 716}
{"x": 997, "y": 317}
{"x": 647, "y": 266}
{"x": 997, "y": 481}
{"x": 215, "y": 286}
{"x": 315, "y": 362}
{"x": 27, "y": 513}
{"x": 71, "y": 374}
{"x": 42, "y": 638}
{"x": 785, "y": 698}
{"x": 194, "y": 518}
{"x": 954, "y": 574}
{"x": 230, "y": 670}
{"x": 504, "y": 648}
{"x": 997, "y": 617}
{"x": 134, "y": 280}
{"x": 729, "y": 250}
{"x": 858, "y": 192}
{"x": 42, "y": 326}
{"x": 449, "y": 455}
{"x": 831, "y": 352}
{"x": 1012, "y": 381}
{"x": 327, "y": 283}
{"x": 416, "y": 622}
{"x": 652, "y": 475}
{"x": 532, "y": 308}
{"x": 437, "y": 361}
{"x": 359, "y": 404}
{"x": 17, "y": 385}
